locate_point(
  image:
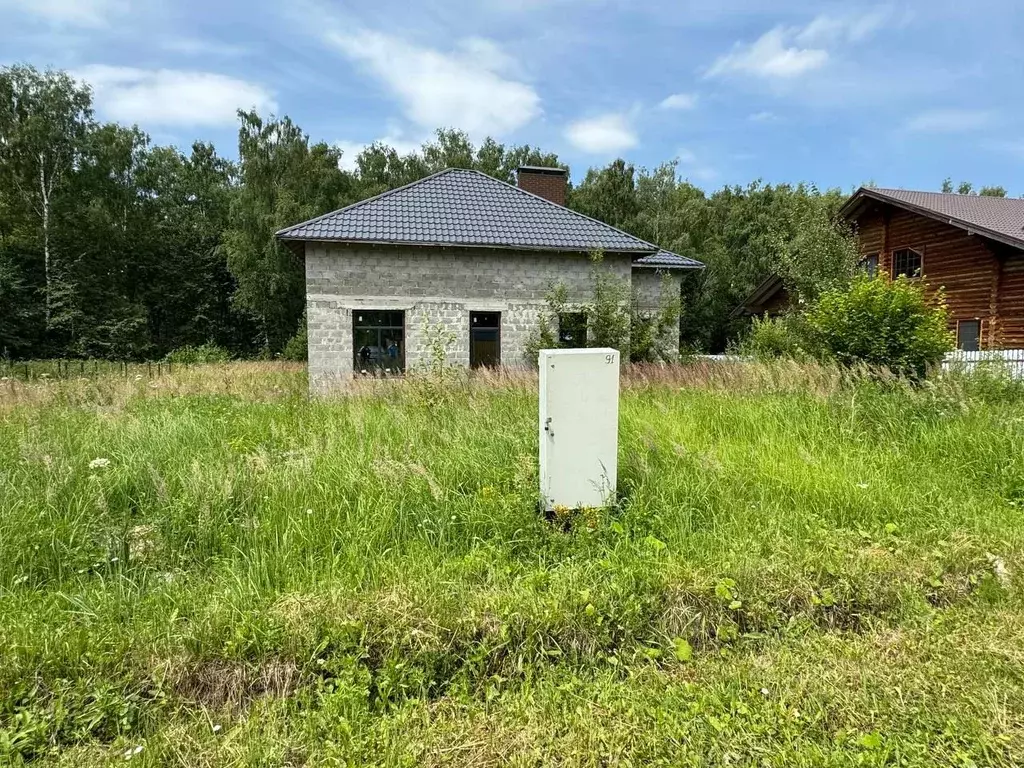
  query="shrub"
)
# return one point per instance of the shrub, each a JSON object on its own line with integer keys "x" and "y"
{"x": 881, "y": 322}
{"x": 773, "y": 337}
{"x": 204, "y": 353}
{"x": 654, "y": 335}
{"x": 613, "y": 320}
{"x": 546, "y": 334}
{"x": 434, "y": 378}
{"x": 608, "y": 316}
{"x": 297, "y": 348}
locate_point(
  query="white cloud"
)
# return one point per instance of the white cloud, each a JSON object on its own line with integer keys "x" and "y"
{"x": 686, "y": 156}
{"x": 949, "y": 121}
{"x": 489, "y": 55}
{"x": 692, "y": 166}
{"x": 350, "y": 149}
{"x": 679, "y": 101}
{"x": 1012, "y": 148}
{"x": 349, "y": 152}
{"x": 193, "y": 46}
{"x": 171, "y": 96}
{"x": 75, "y": 13}
{"x": 772, "y": 55}
{"x": 473, "y": 88}
{"x": 763, "y": 117}
{"x": 788, "y": 52}
{"x": 611, "y": 132}
{"x": 849, "y": 28}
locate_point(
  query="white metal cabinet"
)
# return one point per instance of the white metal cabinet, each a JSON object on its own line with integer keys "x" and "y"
{"x": 579, "y": 426}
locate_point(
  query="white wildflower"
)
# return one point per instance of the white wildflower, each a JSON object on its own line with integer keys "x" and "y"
{"x": 129, "y": 754}
{"x": 99, "y": 463}
{"x": 216, "y": 728}
{"x": 999, "y": 570}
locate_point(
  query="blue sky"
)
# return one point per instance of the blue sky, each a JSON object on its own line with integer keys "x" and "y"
{"x": 901, "y": 94}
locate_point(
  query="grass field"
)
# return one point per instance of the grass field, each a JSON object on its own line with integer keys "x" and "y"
{"x": 206, "y": 569}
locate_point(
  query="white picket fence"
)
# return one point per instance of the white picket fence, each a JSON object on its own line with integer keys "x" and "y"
{"x": 1011, "y": 360}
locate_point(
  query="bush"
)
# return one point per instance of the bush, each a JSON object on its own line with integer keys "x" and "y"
{"x": 204, "y": 353}
{"x": 881, "y": 322}
{"x": 613, "y": 320}
{"x": 654, "y": 336}
{"x": 608, "y": 314}
{"x": 773, "y": 337}
{"x": 546, "y": 334}
{"x": 297, "y": 348}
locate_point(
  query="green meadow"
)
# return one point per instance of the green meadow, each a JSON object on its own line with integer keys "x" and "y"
{"x": 802, "y": 568}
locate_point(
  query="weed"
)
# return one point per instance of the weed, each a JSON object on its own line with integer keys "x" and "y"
{"x": 805, "y": 565}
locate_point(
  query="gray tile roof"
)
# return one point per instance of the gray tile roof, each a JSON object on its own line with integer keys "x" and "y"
{"x": 459, "y": 207}
{"x": 668, "y": 259}
{"x": 1001, "y": 218}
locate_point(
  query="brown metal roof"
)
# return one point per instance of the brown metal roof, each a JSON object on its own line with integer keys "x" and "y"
{"x": 999, "y": 218}
{"x": 765, "y": 291}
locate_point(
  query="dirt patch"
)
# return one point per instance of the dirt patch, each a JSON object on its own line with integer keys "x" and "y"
{"x": 222, "y": 684}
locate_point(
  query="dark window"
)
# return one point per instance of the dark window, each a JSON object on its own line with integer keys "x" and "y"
{"x": 870, "y": 264}
{"x": 378, "y": 341}
{"x": 484, "y": 339}
{"x": 572, "y": 329}
{"x": 906, "y": 261}
{"x": 968, "y": 335}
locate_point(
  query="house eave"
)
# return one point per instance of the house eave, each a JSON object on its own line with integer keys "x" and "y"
{"x": 466, "y": 246}
{"x": 851, "y": 208}
{"x": 679, "y": 267}
{"x": 765, "y": 290}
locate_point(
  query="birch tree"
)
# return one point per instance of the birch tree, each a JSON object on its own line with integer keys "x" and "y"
{"x": 44, "y": 118}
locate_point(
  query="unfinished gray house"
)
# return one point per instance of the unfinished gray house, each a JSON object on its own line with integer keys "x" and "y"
{"x": 463, "y": 251}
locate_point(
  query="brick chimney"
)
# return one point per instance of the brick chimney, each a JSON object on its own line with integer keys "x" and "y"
{"x": 548, "y": 183}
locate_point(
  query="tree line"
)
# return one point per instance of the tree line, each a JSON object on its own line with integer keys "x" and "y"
{"x": 114, "y": 247}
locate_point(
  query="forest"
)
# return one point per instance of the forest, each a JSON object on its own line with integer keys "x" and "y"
{"x": 114, "y": 247}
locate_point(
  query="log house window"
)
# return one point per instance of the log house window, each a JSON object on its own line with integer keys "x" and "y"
{"x": 907, "y": 262}
{"x": 869, "y": 264}
{"x": 968, "y": 335}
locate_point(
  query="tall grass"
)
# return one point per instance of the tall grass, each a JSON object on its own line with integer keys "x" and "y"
{"x": 804, "y": 566}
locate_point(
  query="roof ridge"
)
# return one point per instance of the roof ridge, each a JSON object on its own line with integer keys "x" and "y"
{"x": 359, "y": 203}
{"x": 564, "y": 208}
{"x": 986, "y": 198}
{"x": 648, "y": 246}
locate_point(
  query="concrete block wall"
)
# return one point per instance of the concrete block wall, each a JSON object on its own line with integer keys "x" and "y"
{"x": 444, "y": 322}
{"x": 649, "y": 287}
{"x": 435, "y": 287}
{"x": 329, "y": 323}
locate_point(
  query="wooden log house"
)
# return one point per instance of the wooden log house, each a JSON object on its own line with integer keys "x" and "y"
{"x": 969, "y": 245}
